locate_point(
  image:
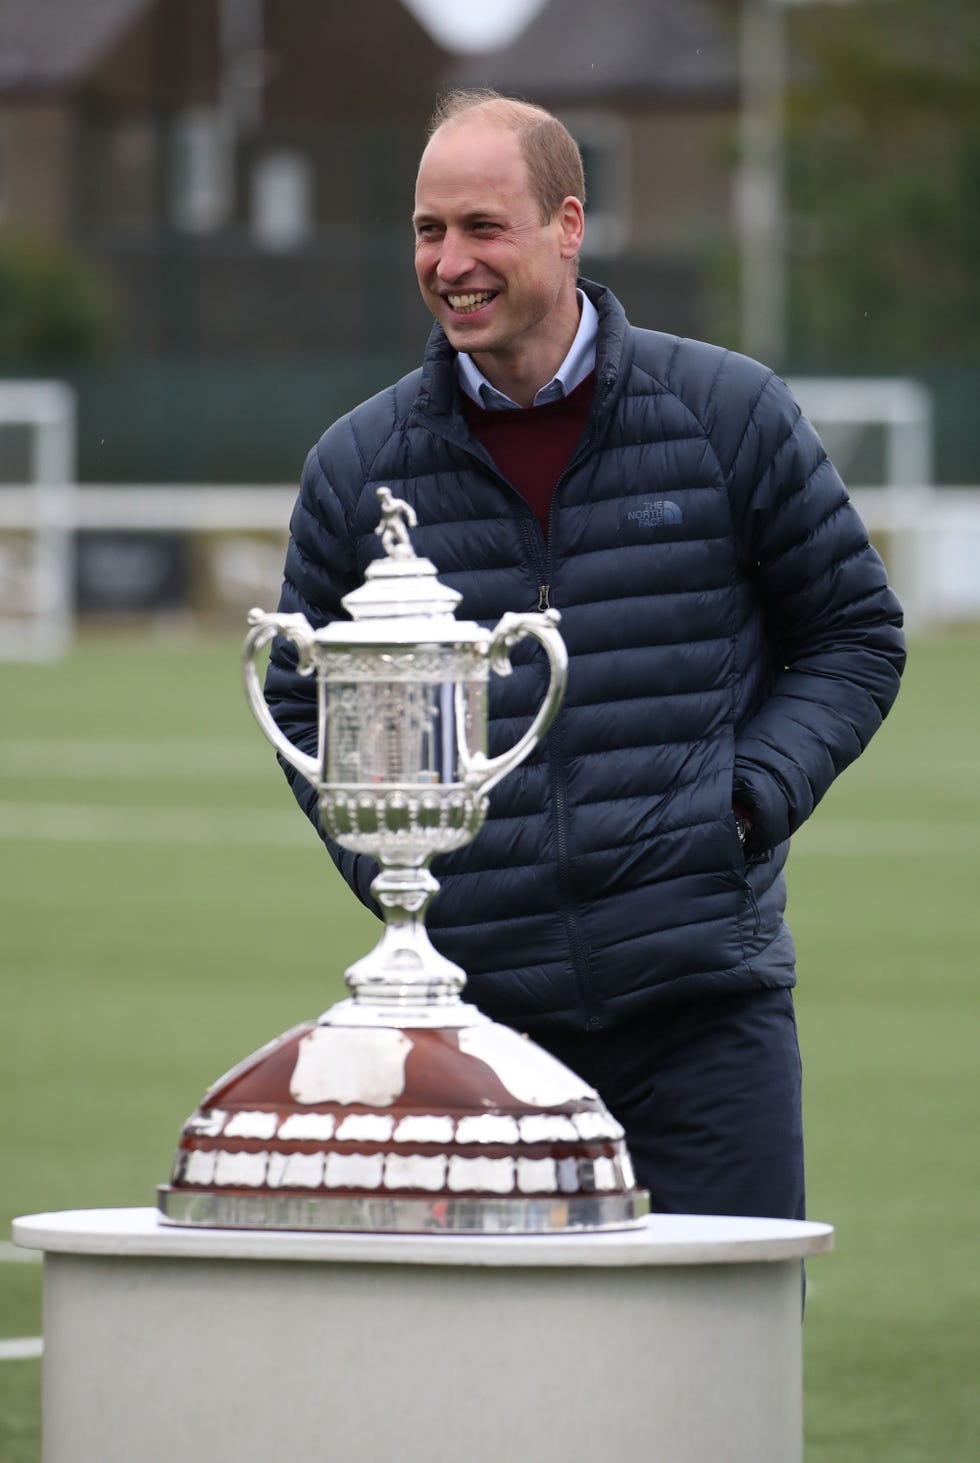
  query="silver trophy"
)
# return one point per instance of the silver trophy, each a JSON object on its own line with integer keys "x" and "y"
{"x": 401, "y": 770}
{"x": 403, "y": 1108}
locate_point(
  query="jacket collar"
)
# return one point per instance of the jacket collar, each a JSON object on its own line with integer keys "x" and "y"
{"x": 439, "y": 393}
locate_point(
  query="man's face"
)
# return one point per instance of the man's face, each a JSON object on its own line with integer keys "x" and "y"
{"x": 498, "y": 279}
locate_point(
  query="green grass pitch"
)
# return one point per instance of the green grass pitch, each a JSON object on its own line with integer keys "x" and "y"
{"x": 164, "y": 909}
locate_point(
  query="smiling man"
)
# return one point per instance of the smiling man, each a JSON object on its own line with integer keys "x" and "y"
{"x": 733, "y": 645}
{"x": 496, "y": 260}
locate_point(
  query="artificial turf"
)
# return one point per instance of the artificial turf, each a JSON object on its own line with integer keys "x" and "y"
{"x": 165, "y": 909}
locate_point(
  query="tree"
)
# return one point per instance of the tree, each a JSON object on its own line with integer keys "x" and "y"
{"x": 53, "y": 306}
{"x": 883, "y": 185}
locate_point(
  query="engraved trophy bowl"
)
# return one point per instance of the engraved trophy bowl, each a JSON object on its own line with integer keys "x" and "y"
{"x": 403, "y": 1108}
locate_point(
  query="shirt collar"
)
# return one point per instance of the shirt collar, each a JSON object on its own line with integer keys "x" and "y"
{"x": 571, "y": 373}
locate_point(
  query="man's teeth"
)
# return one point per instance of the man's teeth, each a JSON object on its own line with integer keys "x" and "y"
{"x": 470, "y": 302}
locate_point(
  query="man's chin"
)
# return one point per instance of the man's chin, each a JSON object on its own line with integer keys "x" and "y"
{"x": 468, "y": 340}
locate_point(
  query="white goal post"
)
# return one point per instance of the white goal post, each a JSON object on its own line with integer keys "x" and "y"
{"x": 878, "y": 432}
{"x": 845, "y": 409}
{"x": 37, "y": 551}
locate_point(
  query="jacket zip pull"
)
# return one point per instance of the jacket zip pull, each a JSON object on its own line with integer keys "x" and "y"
{"x": 756, "y": 911}
{"x": 544, "y": 602}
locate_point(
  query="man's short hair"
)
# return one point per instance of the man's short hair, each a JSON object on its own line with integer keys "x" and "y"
{"x": 554, "y": 163}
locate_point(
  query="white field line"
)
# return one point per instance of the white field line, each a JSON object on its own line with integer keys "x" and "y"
{"x": 173, "y": 824}
{"x": 950, "y": 759}
{"x": 16, "y": 1255}
{"x": 99, "y": 823}
{"x": 22, "y": 1348}
{"x": 55, "y": 757}
{"x": 895, "y": 838}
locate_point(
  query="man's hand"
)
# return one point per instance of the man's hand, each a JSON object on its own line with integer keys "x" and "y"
{"x": 743, "y": 821}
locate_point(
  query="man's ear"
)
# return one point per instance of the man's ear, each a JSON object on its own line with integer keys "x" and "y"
{"x": 571, "y": 216}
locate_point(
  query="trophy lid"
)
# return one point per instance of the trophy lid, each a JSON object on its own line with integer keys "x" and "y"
{"x": 400, "y": 584}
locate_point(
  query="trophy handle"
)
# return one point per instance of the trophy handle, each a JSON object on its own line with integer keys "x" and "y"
{"x": 297, "y": 629}
{"x": 480, "y": 772}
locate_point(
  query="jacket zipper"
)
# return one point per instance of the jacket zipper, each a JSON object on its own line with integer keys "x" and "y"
{"x": 534, "y": 542}
{"x": 754, "y": 903}
{"x": 577, "y": 948}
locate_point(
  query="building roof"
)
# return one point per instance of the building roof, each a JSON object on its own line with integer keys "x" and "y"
{"x": 570, "y": 51}
{"x": 581, "y": 52}
{"x": 48, "y": 44}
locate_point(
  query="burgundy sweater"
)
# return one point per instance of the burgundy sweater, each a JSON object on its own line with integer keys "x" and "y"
{"x": 532, "y": 447}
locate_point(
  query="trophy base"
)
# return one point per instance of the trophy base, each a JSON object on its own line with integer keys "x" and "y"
{"x": 456, "y": 1125}
{"x": 371, "y": 1213}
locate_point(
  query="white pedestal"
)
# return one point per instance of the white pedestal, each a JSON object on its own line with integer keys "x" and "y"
{"x": 676, "y": 1343}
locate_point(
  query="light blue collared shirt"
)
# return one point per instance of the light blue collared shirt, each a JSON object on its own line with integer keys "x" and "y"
{"x": 571, "y": 373}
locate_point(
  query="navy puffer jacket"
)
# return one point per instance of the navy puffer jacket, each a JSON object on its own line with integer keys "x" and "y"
{"x": 730, "y": 634}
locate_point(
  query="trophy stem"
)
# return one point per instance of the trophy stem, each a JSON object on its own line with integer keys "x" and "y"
{"x": 404, "y": 971}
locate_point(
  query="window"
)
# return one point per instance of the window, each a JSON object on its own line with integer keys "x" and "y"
{"x": 603, "y": 141}
{"x": 201, "y": 171}
{"x": 282, "y": 200}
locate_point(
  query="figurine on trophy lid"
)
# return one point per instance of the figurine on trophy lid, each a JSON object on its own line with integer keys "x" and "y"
{"x": 403, "y": 1108}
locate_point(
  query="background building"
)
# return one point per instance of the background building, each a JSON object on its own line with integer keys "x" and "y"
{"x": 204, "y": 203}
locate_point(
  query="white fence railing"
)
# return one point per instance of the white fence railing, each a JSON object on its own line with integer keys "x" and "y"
{"x": 930, "y": 536}
{"x": 200, "y": 508}
{"x": 931, "y": 539}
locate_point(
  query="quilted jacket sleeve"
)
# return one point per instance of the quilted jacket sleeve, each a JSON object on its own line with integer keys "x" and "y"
{"x": 826, "y": 602}
{"x": 318, "y": 573}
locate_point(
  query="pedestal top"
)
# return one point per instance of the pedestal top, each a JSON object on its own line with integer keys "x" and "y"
{"x": 664, "y": 1239}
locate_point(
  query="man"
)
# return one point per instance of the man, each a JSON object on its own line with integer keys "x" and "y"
{"x": 732, "y": 643}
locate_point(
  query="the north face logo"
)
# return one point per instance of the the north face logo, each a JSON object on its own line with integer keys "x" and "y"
{"x": 655, "y": 513}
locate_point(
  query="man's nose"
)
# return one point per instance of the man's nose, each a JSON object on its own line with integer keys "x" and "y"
{"x": 455, "y": 258}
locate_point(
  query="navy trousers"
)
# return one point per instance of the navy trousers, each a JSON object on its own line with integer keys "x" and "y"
{"x": 709, "y": 1094}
